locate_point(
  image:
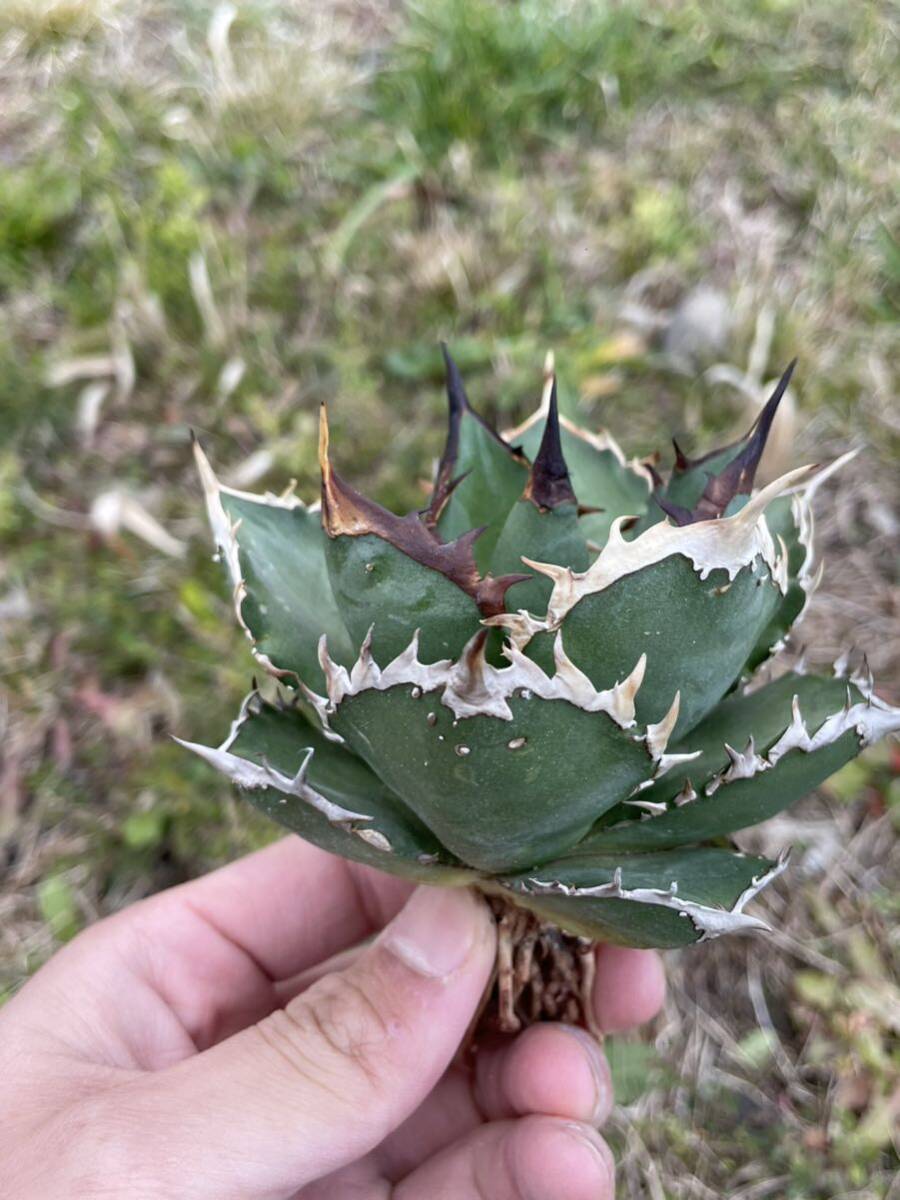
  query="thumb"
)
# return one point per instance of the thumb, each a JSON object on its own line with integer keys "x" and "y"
{"x": 321, "y": 1082}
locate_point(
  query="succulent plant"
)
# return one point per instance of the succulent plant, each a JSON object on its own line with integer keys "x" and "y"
{"x": 545, "y": 685}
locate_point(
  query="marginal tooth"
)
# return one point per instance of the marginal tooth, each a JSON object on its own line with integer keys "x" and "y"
{"x": 615, "y": 537}
{"x": 667, "y": 761}
{"x": 796, "y": 736}
{"x": 839, "y": 670}
{"x": 686, "y": 795}
{"x": 658, "y": 733}
{"x": 527, "y": 673}
{"x": 570, "y": 679}
{"x": 743, "y": 764}
{"x": 406, "y": 659}
{"x": 365, "y": 672}
{"x": 551, "y": 570}
{"x": 863, "y": 677}
{"x": 780, "y": 569}
{"x": 253, "y": 776}
{"x": 801, "y": 666}
{"x": 337, "y": 681}
{"x": 655, "y": 808}
{"x": 624, "y": 693}
{"x": 706, "y": 919}
{"x": 374, "y": 838}
{"x": 475, "y": 687}
{"x": 520, "y": 627}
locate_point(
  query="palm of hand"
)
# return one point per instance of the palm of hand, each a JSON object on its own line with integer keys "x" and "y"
{"x": 157, "y": 1048}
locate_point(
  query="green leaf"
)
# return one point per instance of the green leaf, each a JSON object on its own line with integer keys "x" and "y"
{"x": 664, "y": 899}
{"x": 377, "y": 584}
{"x": 498, "y": 793}
{"x": 493, "y": 479}
{"x": 763, "y": 715}
{"x": 289, "y": 602}
{"x": 274, "y": 553}
{"x": 551, "y": 535}
{"x": 378, "y": 831}
{"x": 788, "y": 517}
{"x": 696, "y": 633}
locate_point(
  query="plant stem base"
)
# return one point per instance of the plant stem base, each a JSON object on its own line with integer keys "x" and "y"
{"x": 542, "y": 974}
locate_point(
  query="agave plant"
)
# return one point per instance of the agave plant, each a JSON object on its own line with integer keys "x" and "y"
{"x": 545, "y": 685}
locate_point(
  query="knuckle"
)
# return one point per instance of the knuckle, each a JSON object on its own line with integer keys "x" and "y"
{"x": 335, "y": 1029}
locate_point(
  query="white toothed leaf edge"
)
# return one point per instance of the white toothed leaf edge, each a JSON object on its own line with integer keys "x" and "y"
{"x": 252, "y": 776}
{"x": 224, "y": 532}
{"x": 871, "y": 719}
{"x": 709, "y": 921}
{"x": 727, "y": 543}
{"x": 472, "y": 687}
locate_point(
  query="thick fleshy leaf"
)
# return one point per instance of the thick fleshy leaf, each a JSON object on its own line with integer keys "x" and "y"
{"x": 693, "y": 598}
{"x": 732, "y": 784}
{"x": 501, "y": 766}
{"x": 544, "y": 523}
{"x": 704, "y": 488}
{"x": 696, "y": 633}
{"x": 480, "y": 476}
{"x": 790, "y": 519}
{"x": 336, "y": 802}
{"x": 553, "y": 535}
{"x": 666, "y": 899}
{"x": 396, "y": 574}
{"x": 378, "y": 585}
{"x": 275, "y": 555}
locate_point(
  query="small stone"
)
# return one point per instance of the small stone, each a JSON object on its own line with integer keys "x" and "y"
{"x": 416, "y": 693}
{"x": 516, "y": 743}
{"x": 370, "y": 567}
{"x": 462, "y": 751}
{"x": 431, "y": 718}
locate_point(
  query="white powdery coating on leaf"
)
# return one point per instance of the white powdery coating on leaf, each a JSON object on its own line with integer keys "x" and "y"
{"x": 709, "y": 922}
{"x": 727, "y": 543}
{"x": 473, "y": 687}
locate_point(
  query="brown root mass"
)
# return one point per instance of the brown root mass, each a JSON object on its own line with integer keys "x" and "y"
{"x": 542, "y": 974}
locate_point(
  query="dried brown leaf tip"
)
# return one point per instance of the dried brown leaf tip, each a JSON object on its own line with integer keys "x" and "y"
{"x": 346, "y": 512}
{"x": 735, "y": 479}
{"x": 458, "y": 407}
{"x": 549, "y": 484}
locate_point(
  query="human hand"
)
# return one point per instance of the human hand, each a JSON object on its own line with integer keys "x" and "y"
{"x": 200, "y": 1044}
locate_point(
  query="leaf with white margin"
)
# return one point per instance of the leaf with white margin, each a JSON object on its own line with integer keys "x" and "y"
{"x": 693, "y": 598}
{"x": 321, "y": 791}
{"x": 660, "y": 900}
{"x": 274, "y": 551}
{"x": 758, "y": 754}
{"x": 507, "y": 765}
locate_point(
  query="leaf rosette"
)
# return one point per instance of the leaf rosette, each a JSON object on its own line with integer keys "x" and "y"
{"x": 545, "y": 683}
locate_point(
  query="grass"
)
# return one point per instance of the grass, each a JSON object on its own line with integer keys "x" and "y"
{"x": 215, "y": 217}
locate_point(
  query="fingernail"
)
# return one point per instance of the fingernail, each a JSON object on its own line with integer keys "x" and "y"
{"x": 433, "y": 934}
{"x": 598, "y": 1161}
{"x": 599, "y": 1069}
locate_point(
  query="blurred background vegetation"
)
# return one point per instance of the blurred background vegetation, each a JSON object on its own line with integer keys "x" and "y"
{"x": 215, "y": 215}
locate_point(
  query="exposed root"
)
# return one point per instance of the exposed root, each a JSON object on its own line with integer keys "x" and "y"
{"x": 543, "y": 974}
